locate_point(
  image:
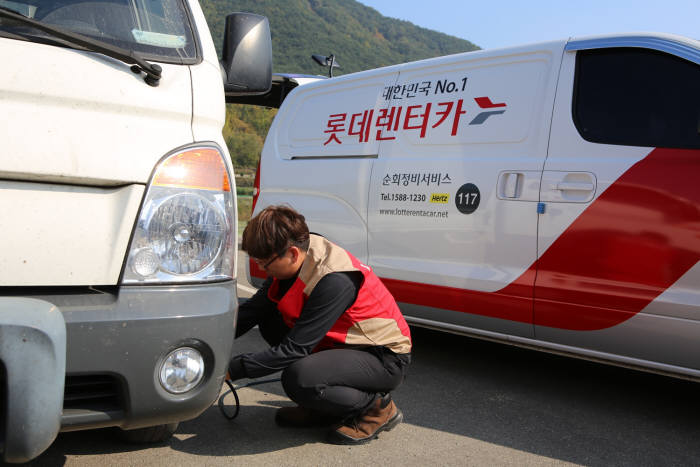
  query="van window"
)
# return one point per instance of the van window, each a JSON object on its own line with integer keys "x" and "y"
{"x": 159, "y": 30}
{"x": 637, "y": 97}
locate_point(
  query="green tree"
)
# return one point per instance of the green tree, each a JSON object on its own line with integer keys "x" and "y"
{"x": 245, "y": 149}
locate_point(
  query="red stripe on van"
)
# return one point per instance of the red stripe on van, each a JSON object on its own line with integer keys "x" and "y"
{"x": 630, "y": 245}
{"x": 513, "y": 302}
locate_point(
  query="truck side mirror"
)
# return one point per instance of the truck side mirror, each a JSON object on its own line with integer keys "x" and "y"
{"x": 247, "y": 55}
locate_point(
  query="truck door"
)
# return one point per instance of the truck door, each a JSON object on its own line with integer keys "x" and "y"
{"x": 619, "y": 239}
{"x": 452, "y": 201}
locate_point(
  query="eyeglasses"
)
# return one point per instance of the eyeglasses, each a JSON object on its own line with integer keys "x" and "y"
{"x": 270, "y": 261}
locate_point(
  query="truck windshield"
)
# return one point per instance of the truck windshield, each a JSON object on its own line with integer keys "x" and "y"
{"x": 156, "y": 29}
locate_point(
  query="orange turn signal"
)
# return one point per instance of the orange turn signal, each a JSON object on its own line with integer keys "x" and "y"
{"x": 199, "y": 168}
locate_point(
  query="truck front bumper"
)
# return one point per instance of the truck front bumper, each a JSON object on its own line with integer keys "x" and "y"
{"x": 117, "y": 340}
{"x": 32, "y": 364}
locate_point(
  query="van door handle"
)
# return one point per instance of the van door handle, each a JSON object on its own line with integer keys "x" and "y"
{"x": 521, "y": 185}
{"x": 510, "y": 184}
{"x": 567, "y": 187}
{"x": 573, "y": 186}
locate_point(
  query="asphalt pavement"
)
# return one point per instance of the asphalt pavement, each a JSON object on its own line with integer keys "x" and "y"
{"x": 465, "y": 401}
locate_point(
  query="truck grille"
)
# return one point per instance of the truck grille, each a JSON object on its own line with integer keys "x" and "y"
{"x": 93, "y": 392}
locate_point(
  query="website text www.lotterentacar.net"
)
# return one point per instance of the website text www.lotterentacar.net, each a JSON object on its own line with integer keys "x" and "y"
{"x": 412, "y": 213}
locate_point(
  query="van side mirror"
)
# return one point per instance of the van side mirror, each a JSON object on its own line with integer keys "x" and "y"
{"x": 247, "y": 55}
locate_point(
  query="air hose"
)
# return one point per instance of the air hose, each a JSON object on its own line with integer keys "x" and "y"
{"x": 233, "y": 389}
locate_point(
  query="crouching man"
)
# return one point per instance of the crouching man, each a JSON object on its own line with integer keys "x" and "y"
{"x": 333, "y": 328}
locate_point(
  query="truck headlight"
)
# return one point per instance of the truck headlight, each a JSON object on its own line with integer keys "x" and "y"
{"x": 185, "y": 230}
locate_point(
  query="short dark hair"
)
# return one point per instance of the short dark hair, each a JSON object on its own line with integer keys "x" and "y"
{"x": 273, "y": 230}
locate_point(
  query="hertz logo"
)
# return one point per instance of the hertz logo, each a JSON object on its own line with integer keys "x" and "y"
{"x": 440, "y": 198}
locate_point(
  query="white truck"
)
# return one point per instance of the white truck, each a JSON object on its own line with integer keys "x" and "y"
{"x": 545, "y": 195}
{"x": 117, "y": 214}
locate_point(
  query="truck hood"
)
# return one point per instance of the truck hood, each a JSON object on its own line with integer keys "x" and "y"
{"x": 75, "y": 117}
{"x": 80, "y": 138}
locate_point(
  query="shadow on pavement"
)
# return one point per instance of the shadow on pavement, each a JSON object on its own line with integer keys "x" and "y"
{"x": 548, "y": 405}
{"x": 253, "y": 432}
{"x": 92, "y": 442}
{"x": 557, "y": 407}
{"x": 552, "y": 406}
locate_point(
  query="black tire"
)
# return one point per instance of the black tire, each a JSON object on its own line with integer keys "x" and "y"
{"x": 151, "y": 434}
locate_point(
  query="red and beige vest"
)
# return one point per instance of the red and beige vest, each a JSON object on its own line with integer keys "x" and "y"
{"x": 374, "y": 319}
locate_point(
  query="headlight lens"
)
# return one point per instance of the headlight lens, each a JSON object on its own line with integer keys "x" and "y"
{"x": 185, "y": 229}
{"x": 186, "y": 233}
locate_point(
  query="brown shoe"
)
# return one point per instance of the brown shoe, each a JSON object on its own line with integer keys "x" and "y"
{"x": 383, "y": 415}
{"x": 302, "y": 417}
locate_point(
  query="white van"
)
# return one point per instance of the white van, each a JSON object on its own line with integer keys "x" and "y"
{"x": 546, "y": 195}
{"x": 117, "y": 214}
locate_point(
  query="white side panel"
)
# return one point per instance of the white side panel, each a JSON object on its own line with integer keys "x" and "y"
{"x": 83, "y": 118}
{"x": 421, "y": 227}
{"x": 325, "y": 175}
{"x": 59, "y": 235}
{"x": 332, "y": 118}
{"x": 335, "y": 212}
{"x": 681, "y": 300}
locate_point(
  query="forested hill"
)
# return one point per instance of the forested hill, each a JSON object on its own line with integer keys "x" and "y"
{"x": 359, "y": 36}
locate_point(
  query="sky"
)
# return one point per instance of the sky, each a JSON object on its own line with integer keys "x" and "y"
{"x": 502, "y": 23}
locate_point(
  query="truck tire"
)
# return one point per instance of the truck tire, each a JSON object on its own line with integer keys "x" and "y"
{"x": 151, "y": 434}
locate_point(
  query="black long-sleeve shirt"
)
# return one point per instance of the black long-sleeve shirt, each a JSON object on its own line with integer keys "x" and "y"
{"x": 329, "y": 299}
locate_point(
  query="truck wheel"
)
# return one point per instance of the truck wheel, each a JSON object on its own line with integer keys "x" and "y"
{"x": 151, "y": 434}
